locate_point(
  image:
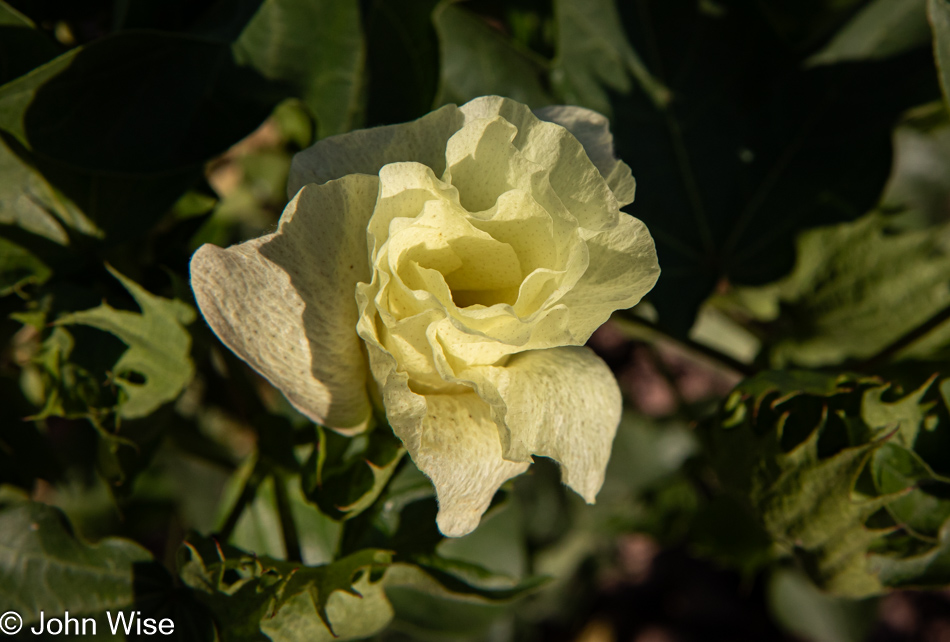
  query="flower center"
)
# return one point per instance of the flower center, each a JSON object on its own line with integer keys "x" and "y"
{"x": 441, "y": 244}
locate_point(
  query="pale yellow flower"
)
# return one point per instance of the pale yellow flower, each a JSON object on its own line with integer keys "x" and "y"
{"x": 447, "y": 271}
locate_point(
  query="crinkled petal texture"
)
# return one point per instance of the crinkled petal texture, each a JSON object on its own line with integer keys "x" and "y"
{"x": 484, "y": 245}
{"x": 284, "y": 302}
{"x": 490, "y": 268}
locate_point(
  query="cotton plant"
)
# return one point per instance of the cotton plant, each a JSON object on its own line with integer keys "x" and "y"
{"x": 443, "y": 276}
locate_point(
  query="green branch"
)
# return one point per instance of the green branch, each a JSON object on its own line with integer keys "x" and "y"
{"x": 886, "y": 353}
{"x": 701, "y": 349}
{"x": 248, "y": 492}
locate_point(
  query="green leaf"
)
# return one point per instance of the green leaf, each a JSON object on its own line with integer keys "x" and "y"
{"x": 402, "y": 519}
{"x": 318, "y": 49}
{"x": 458, "y": 579}
{"x": 881, "y": 29}
{"x": 896, "y": 469}
{"x": 939, "y": 13}
{"x": 45, "y": 567}
{"x": 850, "y": 280}
{"x": 904, "y": 416}
{"x": 929, "y": 569}
{"x": 123, "y": 125}
{"x": 69, "y": 389}
{"x": 478, "y": 60}
{"x": 345, "y": 475}
{"x": 498, "y": 546}
{"x": 159, "y": 347}
{"x": 919, "y": 185}
{"x": 402, "y": 60}
{"x": 156, "y": 106}
{"x": 807, "y": 23}
{"x": 594, "y": 57}
{"x": 833, "y": 475}
{"x": 809, "y": 614}
{"x": 259, "y": 527}
{"x": 28, "y": 201}
{"x": 19, "y": 267}
{"x": 419, "y": 574}
{"x": 22, "y": 46}
{"x": 739, "y": 162}
{"x": 253, "y": 597}
{"x": 446, "y": 597}
{"x": 433, "y": 618}
{"x": 471, "y": 582}
{"x": 646, "y": 452}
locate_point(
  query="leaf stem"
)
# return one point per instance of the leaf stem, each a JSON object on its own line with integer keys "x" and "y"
{"x": 904, "y": 341}
{"x": 287, "y": 525}
{"x": 248, "y": 492}
{"x": 744, "y": 369}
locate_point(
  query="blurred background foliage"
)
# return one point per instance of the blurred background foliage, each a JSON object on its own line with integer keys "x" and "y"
{"x": 781, "y": 471}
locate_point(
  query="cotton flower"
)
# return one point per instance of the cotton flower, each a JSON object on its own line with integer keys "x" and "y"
{"x": 447, "y": 272}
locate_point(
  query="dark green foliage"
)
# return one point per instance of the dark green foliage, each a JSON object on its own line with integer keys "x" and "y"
{"x": 344, "y": 479}
{"x": 735, "y": 164}
{"x": 41, "y": 551}
{"x": 144, "y": 467}
{"x": 843, "y": 474}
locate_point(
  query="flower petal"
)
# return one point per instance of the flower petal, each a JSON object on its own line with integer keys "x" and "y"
{"x": 593, "y": 132}
{"x": 461, "y": 453}
{"x": 562, "y": 403}
{"x": 573, "y": 177}
{"x": 285, "y": 302}
{"x": 365, "y": 151}
{"x": 623, "y": 267}
{"x": 452, "y": 438}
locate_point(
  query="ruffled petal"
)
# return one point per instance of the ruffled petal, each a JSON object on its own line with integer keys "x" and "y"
{"x": 623, "y": 267}
{"x": 285, "y": 302}
{"x": 573, "y": 177}
{"x": 461, "y": 453}
{"x": 365, "y": 151}
{"x": 562, "y": 403}
{"x": 593, "y": 132}
{"x": 452, "y": 438}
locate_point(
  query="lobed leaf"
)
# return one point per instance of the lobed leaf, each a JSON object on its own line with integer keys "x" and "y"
{"x": 840, "y": 300}
{"x": 839, "y": 477}
{"x": 158, "y": 344}
{"x": 259, "y": 598}
{"x": 594, "y": 57}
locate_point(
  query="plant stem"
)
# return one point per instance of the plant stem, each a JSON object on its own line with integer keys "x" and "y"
{"x": 744, "y": 369}
{"x": 287, "y": 525}
{"x": 906, "y": 340}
